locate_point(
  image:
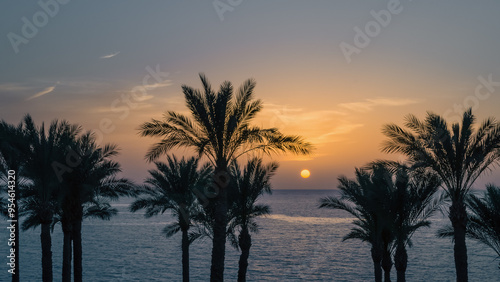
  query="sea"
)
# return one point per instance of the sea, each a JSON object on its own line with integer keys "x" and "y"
{"x": 297, "y": 242}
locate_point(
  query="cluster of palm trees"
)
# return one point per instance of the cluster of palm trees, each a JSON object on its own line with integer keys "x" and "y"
{"x": 391, "y": 200}
{"x": 177, "y": 186}
{"x": 218, "y": 199}
{"x": 63, "y": 176}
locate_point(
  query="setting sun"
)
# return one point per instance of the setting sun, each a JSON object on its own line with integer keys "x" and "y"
{"x": 305, "y": 173}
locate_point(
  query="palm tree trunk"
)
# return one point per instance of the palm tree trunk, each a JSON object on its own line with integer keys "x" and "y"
{"x": 219, "y": 240}
{"x": 219, "y": 228}
{"x": 401, "y": 262}
{"x": 77, "y": 248}
{"x": 46, "y": 241}
{"x": 185, "y": 256}
{"x": 245, "y": 242}
{"x": 66, "y": 266}
{"x": 387, "y": 265}
{"x": 458, "y": 217}
{"x": 377, "y": 259}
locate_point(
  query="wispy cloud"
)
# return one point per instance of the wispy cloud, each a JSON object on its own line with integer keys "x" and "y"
{"x": 110, "y": 55}
{"x": 283, "y": 115}
{"x": 137, "y": 107}
{"x": 319, "y": 127}
{"x": 358, "y": 106}
{"x": 151, "y": 87}
{"x": 342, "y": 129}
{"x": 14, "y": 87}
{"x": 43, "y": 92}
{"x": 158, "y": 85}
{"x": 393, "y": 101}
{"x": 369, "y": 104}
{"x": 143, "y": 98}
{"x": 335, "y": 134}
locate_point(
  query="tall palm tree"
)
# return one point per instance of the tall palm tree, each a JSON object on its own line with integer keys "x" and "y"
{"x": 13, "y": 146}
{"x": 483, "y": 219}
{"x": 413, "y": 202}
{"x": 99, "y": 208}
{"x": 458, "y": 155}
{"x": 381, "y": 178}
{"x": 170, "y": 187}
{"x": 367, "y": 198}
{"x": 46, "y": 150}
{"x": 220, "y": 130}
{"x": 249, "y": 185}
{"x": 88, "y": 188}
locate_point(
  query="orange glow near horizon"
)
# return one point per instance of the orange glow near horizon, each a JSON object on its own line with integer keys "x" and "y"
{"x": 305, "y": 173}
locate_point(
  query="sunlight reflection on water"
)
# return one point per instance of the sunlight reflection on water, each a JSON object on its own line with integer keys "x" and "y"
{"x": 310, "y": 220}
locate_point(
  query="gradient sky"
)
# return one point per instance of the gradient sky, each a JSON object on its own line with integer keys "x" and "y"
{"x": 84, "y": 59}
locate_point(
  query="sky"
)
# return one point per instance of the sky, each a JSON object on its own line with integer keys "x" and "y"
{"x": 334, "y": 72}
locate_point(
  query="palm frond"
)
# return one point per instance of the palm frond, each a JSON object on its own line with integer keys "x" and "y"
{"x": 100, "y": 210}
{"x": 171, "y": 229}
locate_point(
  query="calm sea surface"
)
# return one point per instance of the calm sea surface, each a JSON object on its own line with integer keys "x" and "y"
{"x": 298, "y": 242}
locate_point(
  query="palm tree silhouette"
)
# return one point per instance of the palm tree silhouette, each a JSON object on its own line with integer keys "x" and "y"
{"x": 367, "y": 198}
{"x": 87, "y": 190}
{"x": 381, "y": 177}
{"x": 170, "y": 187}
{"x": 483, "y": 220}
{"x": 40, "y": 203}
{"x": 99, "y": 208}
{"x": 413, "y": 202}
{"x": 458, "y": 156}
{"x": 249, "y": 185}
{"x": 220, "y": 130}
